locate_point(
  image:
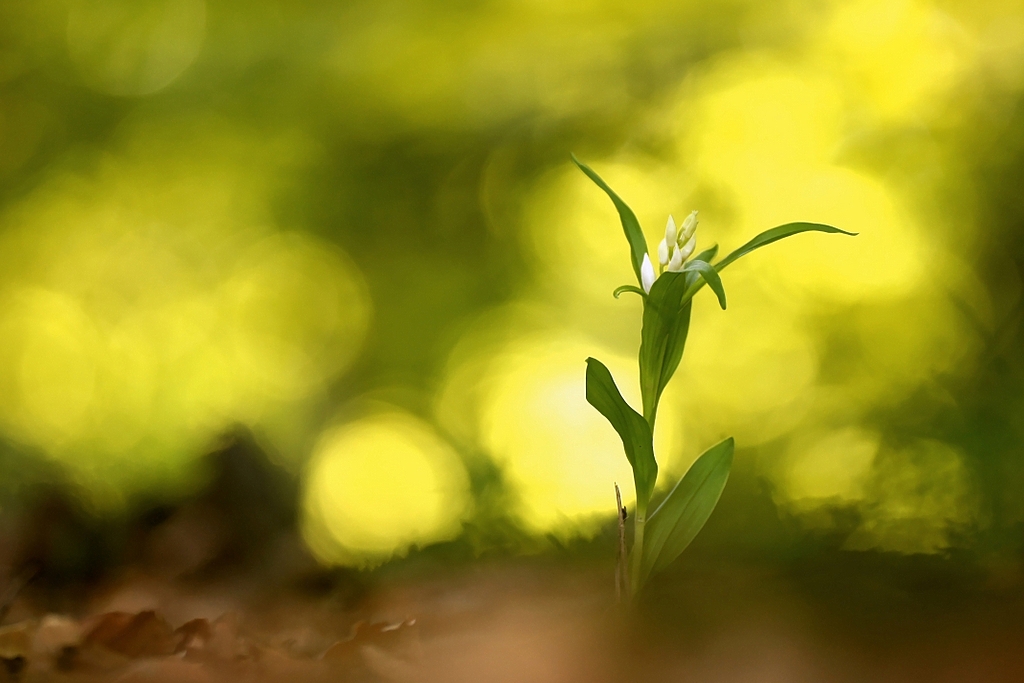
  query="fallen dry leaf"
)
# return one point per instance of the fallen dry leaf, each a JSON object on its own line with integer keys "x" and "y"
{"x": 16, "y": 640}
{"x": 55, "y": 633}
{"x": 15, "y": 647}
{"x": 380, "y": 634}
{"x": 132, "y": 635}
{"x": 167, "y": 670}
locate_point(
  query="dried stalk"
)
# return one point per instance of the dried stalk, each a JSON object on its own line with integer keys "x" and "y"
{"x": 622, "y": 587}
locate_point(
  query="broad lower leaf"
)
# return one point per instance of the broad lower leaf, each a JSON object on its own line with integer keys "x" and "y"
{"x": 666, "y": 323}
{"x": 634, "y": 431}
{"x": 685, "y": 510}
{"x": 630, "y": 224}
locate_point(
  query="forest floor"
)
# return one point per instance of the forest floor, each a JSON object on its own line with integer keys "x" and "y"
{"x": 219, "y": 588}
{"x": 518, "y": 622}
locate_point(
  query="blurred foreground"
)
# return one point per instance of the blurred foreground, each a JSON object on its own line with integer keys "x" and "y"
{"x": 220, "y": 587}
{"x": 722, "y": 622}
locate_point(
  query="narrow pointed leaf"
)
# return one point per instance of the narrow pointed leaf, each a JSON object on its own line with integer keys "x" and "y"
{"x": 634, "y": 431}
{"x": 710, "y": 275}
{"x": 776, "y": 234}
{"x": 686, "y": 509}
{"x": 630, "y": 224}
{"x": 765, "y": 238}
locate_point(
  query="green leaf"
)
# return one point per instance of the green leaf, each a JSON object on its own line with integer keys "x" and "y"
{"x": 710, "y": 275}
{"x": 765, "y": 238}
{"x": 774, "y": 235}
{"x": 630, "y": 225}
{"x": 629, "y": 288}
{"x": 683, "y": 513}
{"x": 634, "y": 431}
{"x": 666, "y": 324}
{"x": 707, "y": 254}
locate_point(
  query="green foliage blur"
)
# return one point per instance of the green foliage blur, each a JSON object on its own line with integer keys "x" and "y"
{"x": 354, "y": 229}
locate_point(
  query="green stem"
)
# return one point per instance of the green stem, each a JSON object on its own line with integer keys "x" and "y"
{"x": 642, "y": 500}
{"x": 652, "y": 414}
{"x": 638, "y": 548}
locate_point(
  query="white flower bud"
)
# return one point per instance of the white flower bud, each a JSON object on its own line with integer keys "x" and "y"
{"x": 689, "y": 227}
{"x": 647, "y": 274}
{"x": 675, "y": 264}
{"x": 663, "y": 252}
{"x": 687, "y": 248}
{"x": 670, "y": 230}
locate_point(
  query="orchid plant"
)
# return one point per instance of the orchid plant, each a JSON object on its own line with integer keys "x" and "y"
{"x": 659, "y": 538}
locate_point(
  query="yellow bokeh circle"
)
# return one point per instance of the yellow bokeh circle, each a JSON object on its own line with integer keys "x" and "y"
{"x": 134, "y": 47}
{"x": 48, "y": 366}
{"x": 298, "y": 311}
{"x": 378, "y": 486}
{"x": 560, "y": 455}
{"x": 749, "y": 371}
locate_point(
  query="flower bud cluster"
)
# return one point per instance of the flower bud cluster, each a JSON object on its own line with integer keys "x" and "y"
{"x": 678, "y": 245}
{"x": 673, "y": 251}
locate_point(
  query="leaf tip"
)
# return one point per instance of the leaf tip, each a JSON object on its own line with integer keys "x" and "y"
{"x": 844, "y": 232}
{"x": 629, "y": 288}
{"x": 730, "y": 445}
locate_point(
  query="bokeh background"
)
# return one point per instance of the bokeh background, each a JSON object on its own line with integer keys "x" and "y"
{"x": 350, "y": 233}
